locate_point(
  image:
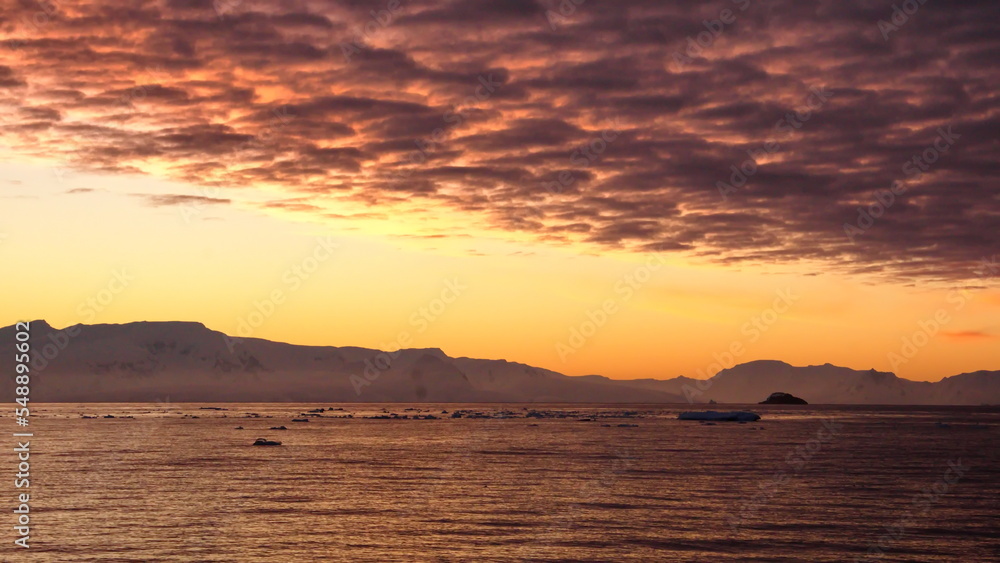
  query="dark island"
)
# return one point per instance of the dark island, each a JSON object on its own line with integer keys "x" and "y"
{"x": 780, "y": 398}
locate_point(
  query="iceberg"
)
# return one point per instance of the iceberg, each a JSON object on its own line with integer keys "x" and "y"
{"x": 734, "y": 416}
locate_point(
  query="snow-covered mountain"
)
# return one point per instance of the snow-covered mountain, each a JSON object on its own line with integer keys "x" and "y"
{"x": 829, "y": 384}
{"x": 187, "y": 362}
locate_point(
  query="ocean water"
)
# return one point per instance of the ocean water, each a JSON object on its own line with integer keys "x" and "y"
{"x": 803, "y": 484}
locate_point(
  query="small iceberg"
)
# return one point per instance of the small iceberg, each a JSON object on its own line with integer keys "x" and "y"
{"x": 734, "y": 416}
{"x": 263, "y": 442}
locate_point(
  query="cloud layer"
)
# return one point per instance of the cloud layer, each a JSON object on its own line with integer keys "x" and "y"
{"x": 754, "y": 137}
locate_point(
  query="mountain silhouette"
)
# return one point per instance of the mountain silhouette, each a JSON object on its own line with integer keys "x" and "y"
{"x": 188, "y": 362}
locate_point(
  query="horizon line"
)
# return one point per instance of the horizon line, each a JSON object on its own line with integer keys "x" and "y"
{"x": 735, "y": 365}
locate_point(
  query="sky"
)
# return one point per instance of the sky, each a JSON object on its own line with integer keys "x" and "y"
{"x": 632, "y": 188}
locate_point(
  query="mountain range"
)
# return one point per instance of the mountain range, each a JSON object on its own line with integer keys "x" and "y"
{"x": 188, "y": 362}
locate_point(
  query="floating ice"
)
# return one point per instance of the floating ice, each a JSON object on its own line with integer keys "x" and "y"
{"x": 734, "y": 416}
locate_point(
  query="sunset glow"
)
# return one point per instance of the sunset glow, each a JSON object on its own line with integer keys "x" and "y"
{"x": 208, "y": 151}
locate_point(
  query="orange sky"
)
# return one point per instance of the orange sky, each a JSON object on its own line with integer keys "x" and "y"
{"x": 516, "y": 301}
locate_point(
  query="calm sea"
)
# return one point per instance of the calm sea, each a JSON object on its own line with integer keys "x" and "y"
{"x": 590, "y": 483}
